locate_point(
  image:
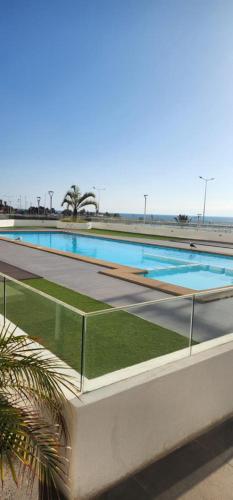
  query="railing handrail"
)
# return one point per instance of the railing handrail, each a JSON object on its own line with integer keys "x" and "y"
{"x": 101, "y": 312}
{"x": 157, "y": 301}
{"x": 112, "y": 309}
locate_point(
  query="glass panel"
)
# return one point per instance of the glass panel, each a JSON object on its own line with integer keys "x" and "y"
{"x": 1, "y": 301}
{"x": 213, "y": 315}
{"x": 51, "y": 324}
{"x": 120, "y": 339}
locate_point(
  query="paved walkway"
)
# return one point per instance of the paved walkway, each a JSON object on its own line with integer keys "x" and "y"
{"x": 77, "y": 275}
{"x": 200, "y": 470}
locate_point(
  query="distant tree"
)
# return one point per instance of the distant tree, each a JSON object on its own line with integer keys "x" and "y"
{"x": 5, "y": 208}
{"x": 67, "y": 212}
{"x": 33, "y": 210}
{"x": 183, "y": 219}
{"x": 75, "y": 200}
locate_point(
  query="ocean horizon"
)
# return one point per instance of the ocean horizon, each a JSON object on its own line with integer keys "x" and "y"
{"x": 211, "y": 219}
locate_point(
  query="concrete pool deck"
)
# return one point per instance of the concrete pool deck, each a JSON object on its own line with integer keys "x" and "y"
{"x": 212, "y": 319}
{"x": 123, "y": 272}
{"x": 77, "y": 275}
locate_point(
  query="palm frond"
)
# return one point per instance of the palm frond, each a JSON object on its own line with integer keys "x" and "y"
{"x": 28, "y": 438}
{"x": 88, "y": 203}
{"x": 75, "y": 191}
{"x": 32, "y": 397}
{"x": 85, "y": 196}
{"x": 21, "y": 357}
{"x": 68, "y": 198}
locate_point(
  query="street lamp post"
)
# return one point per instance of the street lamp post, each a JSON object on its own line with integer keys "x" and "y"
{"x": 99, "y": 191}
{"x": 51, "y": 193}
{"x": 19, "y": 202}
{"x": 206, "y": 180}
{"x": 198, "y": 219}
{"x": 145, "y": 201}
{"x": 38, "y": 203}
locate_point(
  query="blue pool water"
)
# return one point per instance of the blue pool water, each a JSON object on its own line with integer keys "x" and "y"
{"x": 186, "y": 268}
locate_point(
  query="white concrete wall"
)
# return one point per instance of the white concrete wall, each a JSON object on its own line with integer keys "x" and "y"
{"x": 27, "y": 222}
{"x": 7, "y": 223}
{"x": 74, "y": 225}
{"x": 35, "y": 222}
{"x": 176, "y": 231}
{"x": 123, "y": 427}
{"x": 46, "y": 223}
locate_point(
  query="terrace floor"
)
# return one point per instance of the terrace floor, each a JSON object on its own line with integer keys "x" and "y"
{"x": 200, "y": 470}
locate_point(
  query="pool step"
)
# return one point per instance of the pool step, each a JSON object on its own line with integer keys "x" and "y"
{"x": 166, "y": 260}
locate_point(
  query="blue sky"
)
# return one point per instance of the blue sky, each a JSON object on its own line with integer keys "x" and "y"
{"x": 132, "y": 95}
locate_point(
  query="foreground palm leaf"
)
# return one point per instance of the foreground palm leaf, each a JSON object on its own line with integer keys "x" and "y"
{"x": 32, "y": 426}
{"x": 76, "y": 201}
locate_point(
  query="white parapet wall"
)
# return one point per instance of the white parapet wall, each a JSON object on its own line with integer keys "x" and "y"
{"x": 73, "y": 225}
{"x": 35, "y": 222}
{"x": 121, "y": 428}
{"x": 5, "y": 223}
{"x": 192, "y": 233}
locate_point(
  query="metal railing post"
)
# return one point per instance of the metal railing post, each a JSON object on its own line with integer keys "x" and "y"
{"x": 57, "y": 329}
{"x": 82, "y": 367}
{"x": 4, "y": 301}
{"x": 191, "y": 325}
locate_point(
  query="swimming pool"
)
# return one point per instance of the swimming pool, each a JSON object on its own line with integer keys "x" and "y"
{"x": 186, "y": 268}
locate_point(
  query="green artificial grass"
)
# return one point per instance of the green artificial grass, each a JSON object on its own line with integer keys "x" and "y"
{"x": 113, "y": 341}
{"x": 111, "y": 232}
{"x": 75, "y": 299}
{"x": 103, "y": 232}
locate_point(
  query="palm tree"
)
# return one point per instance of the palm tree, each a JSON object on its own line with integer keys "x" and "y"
{"x": 74, "y": 199}
{"x": 32, "y": 426}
